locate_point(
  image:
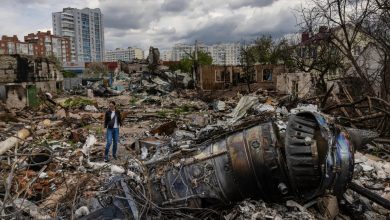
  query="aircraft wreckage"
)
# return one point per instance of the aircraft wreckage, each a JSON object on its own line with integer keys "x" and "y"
{"x": 311, "y": 158}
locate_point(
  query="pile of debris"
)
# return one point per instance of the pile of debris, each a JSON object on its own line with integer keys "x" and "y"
{"x": 256, "y": 156}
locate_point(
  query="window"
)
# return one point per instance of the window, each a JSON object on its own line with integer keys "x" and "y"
{"x": 267, "y": 75}
{"x": 218, "y": 76}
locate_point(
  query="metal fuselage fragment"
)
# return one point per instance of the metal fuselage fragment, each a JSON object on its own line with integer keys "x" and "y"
{"x": 312, "y": 158}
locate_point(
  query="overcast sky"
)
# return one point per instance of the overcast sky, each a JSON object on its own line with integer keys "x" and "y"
{"x": 161, "y": 23}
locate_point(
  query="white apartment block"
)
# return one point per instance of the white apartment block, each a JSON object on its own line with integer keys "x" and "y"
{"x": 226, "y": 54}
{"x": 166, "y": 54}
{"x": 84, "y": 27}
{"x": 222, "y": 54}
{"x": 128, "y": 54}
{"x": 180, "y": 51}
{"x": 139, "y": 53}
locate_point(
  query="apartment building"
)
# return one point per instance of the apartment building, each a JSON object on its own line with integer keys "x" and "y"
{"x": 84, "y": 28}
{"x": 222, "y": 54}
{"x": 128, "y": 54}
{"x": 41, "y": 44}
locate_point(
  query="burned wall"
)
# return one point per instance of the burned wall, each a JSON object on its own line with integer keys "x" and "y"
{"x": 299, "y": 84}
{"x": 267, "y": 75}
{"x": 214, "y": 77}
{"x": 17, "y": 69}
{"x": 13, "y": 68}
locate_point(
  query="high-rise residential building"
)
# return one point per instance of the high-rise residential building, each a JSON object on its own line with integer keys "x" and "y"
{"x": 226, "y": 54}
{"x": 166, "y": 54}
{"x": 84, "y": 28}
{"x": 128, "y": 54}
{"x": 180, "y": 51}
{"x": 222, "y": 54}
{"x": 138, "y": 53}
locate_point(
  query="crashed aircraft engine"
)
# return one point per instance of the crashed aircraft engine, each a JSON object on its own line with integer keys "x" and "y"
{"x": 311, "y": 158}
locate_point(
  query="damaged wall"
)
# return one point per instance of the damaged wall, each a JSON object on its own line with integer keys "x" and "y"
{"x": 23, "y": 76}
{"x": 266, "y": 75}
{"x": 133, "y": 67}
{"x": 20, "y": 95}
{"x": 7, "y": 69}
{"x": 213, "y": 77}
{"x": 17, "y": 68}
{"x": 299, "y": 84}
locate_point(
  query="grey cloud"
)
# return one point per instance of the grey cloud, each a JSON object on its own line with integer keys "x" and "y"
{"x": 136, "y": 14}
{"x": 32, "y": 1}
{"x": 236, "y": 28}
{"x": 234, "y": 4}
{"x": 163, "y": 22}
{"x": 218, "y": 31}
{"x": 175, "y": 5}
{"x": 166, "y": 31}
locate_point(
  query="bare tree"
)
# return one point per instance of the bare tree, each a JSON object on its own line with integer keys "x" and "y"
{"x": 317, "y": 54}
{"x": 377, "y": 26}
{"x": 344, "y": 19}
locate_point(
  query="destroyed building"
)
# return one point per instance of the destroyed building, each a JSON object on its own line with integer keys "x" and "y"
{"x": 22, "y": 77}
{"x": 184, "y": 155}
{"x": 191, "y": 153}
{"x": 213, "y": 77}
{"x": 298, "y": 84}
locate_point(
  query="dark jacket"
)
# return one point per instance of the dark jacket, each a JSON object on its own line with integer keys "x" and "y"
{"x": 107, "y": 118}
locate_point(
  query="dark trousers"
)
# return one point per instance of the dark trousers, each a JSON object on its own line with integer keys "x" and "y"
{"x": 112, "y": 136}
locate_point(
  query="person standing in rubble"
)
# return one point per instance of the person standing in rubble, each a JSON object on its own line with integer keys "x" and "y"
{"x": 112, "y": 122}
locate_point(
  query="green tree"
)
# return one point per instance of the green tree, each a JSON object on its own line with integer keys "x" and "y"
{"x": 204, "y": 58}
{"x": 186, "y": 64}
{"x": 268, "y": 51}
{"x": 264, "y": 50}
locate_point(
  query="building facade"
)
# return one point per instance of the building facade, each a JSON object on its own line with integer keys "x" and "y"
{"x": 127, "y": 55}
{"x": 84, "y": 28}
{"x": 139, "y": 53}
{"x": 166, "y": 55}
{"x": 41, "y": 44}
{"x": 22, "y": 77}
{"x": 12, "y": 45}
{"x": 45, "y": 44}
{"x": 180, "y": 51}
{"x": 226, "y": 54}
{"x": 222, "y": 54}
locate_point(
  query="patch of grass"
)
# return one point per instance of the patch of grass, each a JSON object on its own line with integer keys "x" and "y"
{"x": 78, "y": 102}
{"x": 184, "y": 109}
{"x": 133, "y": 101}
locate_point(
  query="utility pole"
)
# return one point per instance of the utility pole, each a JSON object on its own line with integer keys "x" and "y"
{"x": 195, "y": 71}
